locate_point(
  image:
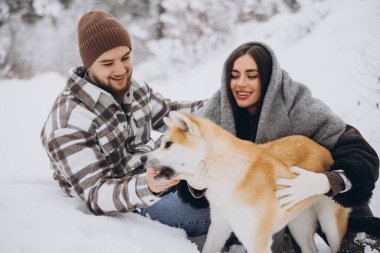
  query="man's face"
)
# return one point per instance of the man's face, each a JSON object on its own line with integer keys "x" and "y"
{"x": 112, "y": 71}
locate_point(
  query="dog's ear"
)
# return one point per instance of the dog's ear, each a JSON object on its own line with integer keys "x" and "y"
{"x": 169, "y": 122}
{"x": 184, "y": 123}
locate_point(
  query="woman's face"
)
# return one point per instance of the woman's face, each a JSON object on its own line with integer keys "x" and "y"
{"x": 245, "y": 83}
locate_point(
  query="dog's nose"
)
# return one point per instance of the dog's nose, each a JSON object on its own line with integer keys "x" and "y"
{"x": 143, "y": 158}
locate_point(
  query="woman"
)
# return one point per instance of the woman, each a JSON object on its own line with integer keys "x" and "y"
{"x": 258, "y": 101}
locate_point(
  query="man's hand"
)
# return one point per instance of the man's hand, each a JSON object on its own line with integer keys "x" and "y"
{"x": 305, "y": 185}
{"x": 157, "y": 186}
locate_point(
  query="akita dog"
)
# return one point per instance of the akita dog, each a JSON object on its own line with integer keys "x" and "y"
{"x": 240, "y": 178}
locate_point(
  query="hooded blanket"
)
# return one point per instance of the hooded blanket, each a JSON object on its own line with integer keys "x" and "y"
{"x": 288, "y": 109}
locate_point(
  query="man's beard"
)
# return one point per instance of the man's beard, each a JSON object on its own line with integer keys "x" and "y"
{"x": 109, "y": 89}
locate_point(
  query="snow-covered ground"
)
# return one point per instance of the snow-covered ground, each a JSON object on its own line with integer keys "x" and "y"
{"x": 332, "y": 46}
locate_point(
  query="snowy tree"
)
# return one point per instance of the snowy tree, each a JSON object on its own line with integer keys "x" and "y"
{"x": 40, "y": 35}
{"x": 262, "y": 10}
{"x": 26, "y": 35}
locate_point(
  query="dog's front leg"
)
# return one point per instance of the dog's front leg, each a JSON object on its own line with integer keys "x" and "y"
{"x": 218, "y": 233}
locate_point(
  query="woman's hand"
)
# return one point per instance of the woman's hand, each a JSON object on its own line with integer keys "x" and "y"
{"x": 305, "y": 185}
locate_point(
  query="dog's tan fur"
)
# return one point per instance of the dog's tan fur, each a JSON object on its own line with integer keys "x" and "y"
{"x": 240, "y": 178}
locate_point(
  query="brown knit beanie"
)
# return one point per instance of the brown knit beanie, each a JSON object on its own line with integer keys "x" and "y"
{"x": 98, "y": 32}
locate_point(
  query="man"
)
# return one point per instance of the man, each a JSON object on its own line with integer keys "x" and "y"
{"x": 101, "y": 122}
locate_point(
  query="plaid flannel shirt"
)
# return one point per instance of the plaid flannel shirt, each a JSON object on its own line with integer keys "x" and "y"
{"x": 94, "y": 143}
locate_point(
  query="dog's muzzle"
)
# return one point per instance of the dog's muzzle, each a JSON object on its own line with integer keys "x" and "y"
{"x": 164, "y": 173}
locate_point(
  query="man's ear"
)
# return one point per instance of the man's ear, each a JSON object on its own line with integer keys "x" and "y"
{"x": 184, "y": 123}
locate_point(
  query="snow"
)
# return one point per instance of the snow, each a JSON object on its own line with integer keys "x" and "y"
{"x": 332, "y": 46}
{"x": 363, "y": 239}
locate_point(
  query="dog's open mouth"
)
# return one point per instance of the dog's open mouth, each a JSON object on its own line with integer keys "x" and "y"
{"x": 164, "y": 174}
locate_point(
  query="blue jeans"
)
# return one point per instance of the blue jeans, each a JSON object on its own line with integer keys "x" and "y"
{"x": 170, "y": 210}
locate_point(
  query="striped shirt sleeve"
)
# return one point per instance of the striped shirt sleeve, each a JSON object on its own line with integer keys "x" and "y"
{"x": 162, "y": 106}
{"x": 78, "y": 157}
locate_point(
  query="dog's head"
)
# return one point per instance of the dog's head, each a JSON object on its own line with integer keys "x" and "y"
{"x": 182, "y": 150}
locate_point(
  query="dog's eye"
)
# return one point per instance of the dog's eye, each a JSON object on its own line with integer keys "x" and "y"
{"x": 168, "y": 144}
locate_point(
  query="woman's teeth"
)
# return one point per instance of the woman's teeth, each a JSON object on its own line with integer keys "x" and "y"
{"x": 243, "y": 93}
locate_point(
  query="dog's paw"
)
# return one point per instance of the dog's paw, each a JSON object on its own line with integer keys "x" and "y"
{"x": 237, "y": 248}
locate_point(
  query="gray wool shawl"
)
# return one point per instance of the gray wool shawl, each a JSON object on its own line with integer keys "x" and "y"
{"x": 288, "y": 109}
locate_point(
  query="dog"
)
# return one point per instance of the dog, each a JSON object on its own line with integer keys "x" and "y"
{"x": 240, "y": 178}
